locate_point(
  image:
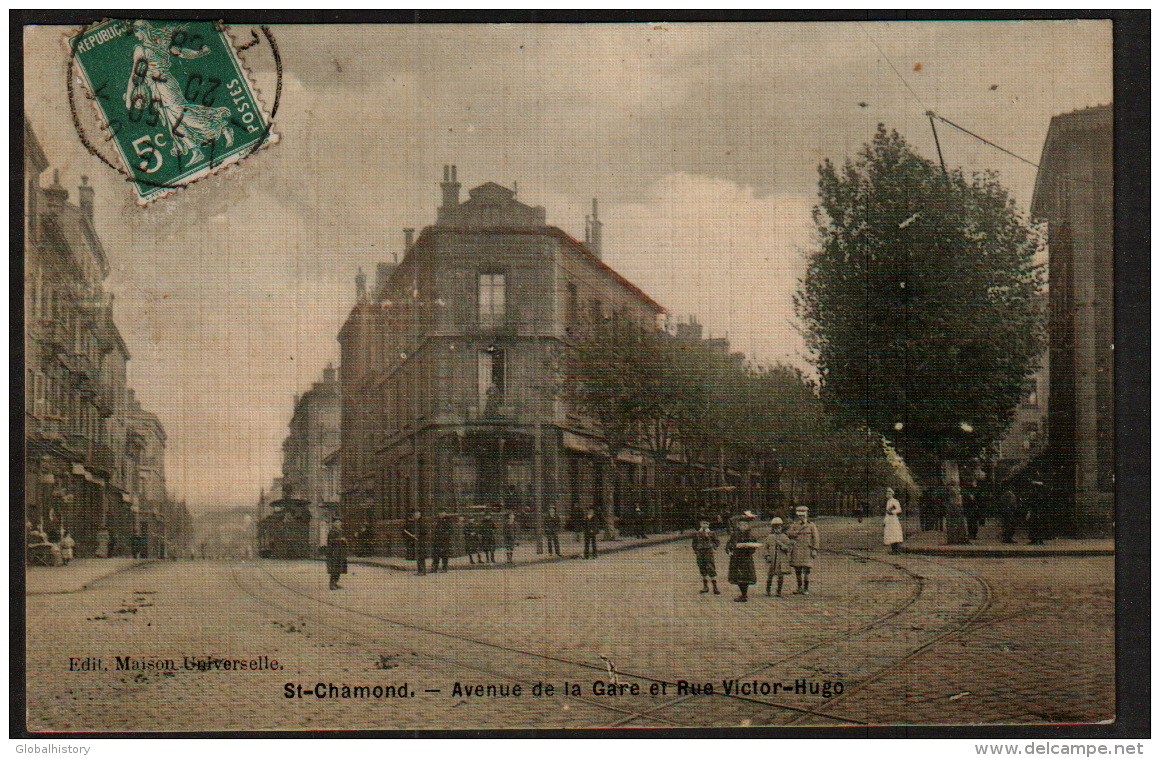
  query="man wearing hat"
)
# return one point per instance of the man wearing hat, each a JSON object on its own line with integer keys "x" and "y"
{"x": 776, "y": 554}
{"x": 704, "y": 543}
{"x": 441, "y": 542}
{"x": 741, "y": 548}
{"x": 803, "y": 535}
{"x": 415, "y": 532}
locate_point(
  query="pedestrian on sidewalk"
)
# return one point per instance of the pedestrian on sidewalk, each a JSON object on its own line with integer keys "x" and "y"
{"x": 508, "y": 531}
{"x": 441, "y": 542}
{"x": 803, "y": 535}
{"x": 471, "y": 539}
{"x": 552, "y": 531}
{"x": 741, "y": 548}
{"x": 1037, "y": 520}
{"x": 973, "y": 510}
{"x": 335, "y": 553}
{"x": 891, "y": 522}
{"x": 487, "y": 537}
{"x": 638, "y": 523}
{"x": 704, "y": 543}
{"x": 415, "y": 530}
{"x": 776, "y": 554}
{"x": 67, "y": 545}
{"x": 590, "y": 525}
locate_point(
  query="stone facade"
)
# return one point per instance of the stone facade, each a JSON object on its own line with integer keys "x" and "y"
{"x": 94, "y": 459}
{"x": 313, "y": 437}
{"x": 454, "y": 366}
{"x": 1073, "y": 193}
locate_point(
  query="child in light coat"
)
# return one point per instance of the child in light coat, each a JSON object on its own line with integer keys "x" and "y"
{"x": 776, "y": 554}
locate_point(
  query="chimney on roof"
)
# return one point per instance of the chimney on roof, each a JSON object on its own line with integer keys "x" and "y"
{"x": 360, "y": 285}
{"x": 592, "y": 231}
{"x": 450, "y": 187}
{"x": 55, "y": 195}
{"x": 328, "y": 374}
{"x": 382, "y": 274}
{"x": 85, "y": 198}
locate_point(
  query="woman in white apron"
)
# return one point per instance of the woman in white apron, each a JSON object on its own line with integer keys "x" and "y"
{"x": 891, "y": 523}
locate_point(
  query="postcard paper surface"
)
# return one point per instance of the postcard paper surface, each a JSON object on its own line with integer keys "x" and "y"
{"x": 567, "y": 376}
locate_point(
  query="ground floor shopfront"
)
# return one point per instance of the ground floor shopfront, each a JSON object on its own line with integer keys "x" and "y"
{"x": 66, "y": 491}
{"x": 473, "y": 470}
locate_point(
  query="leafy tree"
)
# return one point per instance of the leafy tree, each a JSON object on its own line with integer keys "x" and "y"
{"x": 919, "y": 306}
{"x": 612, "y": 368}
{"x": 698, "y": 410}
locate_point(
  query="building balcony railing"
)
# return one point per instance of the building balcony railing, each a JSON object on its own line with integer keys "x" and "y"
{"x": 103, "y": 399}
{"x": 491, "y": 412}
{"x": 80, "y": 365}
{"x": 103, "y": 458}
{"x": 52, "y": 334}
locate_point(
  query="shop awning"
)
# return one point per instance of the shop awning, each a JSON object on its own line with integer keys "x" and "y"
{"x": 79, "y": 470}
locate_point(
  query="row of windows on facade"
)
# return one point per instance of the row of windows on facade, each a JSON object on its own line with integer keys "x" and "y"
{"x": 405, "y": 401}
{"x": 492, "y": 298}
{"x": 76, "y": 415}
{"x": 75, "y": 327}
{"x": 492, "y": 312}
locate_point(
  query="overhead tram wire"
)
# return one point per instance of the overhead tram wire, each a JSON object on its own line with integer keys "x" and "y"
{"x": 890, "y": 63}
{"x": 932, "y": 115}
{"x": 985, "y": 141}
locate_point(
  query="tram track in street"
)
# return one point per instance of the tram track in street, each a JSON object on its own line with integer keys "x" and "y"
{"x": 626, "y": 716}
{"x": 919, "y": 584}
{"x": 321, "y": 620}
{"x": 964, "y": 629}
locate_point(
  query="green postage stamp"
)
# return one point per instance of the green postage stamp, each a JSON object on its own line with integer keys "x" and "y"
{"x": 174, "y": 99}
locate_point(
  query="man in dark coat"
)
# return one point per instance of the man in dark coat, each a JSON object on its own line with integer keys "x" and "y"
{"x": 336, "y": 544}
{"x": 441, "y": 542}
{"x": 590, "y": 525}
{"x": 1009, "y": 514}
{"x": 508, "y": 530}
{"x": 552, "y": 531}
{"x": 638, "y": 523}
{"x": 487, "y": 538}
{"x": 972, "y": 510}
{"x": 741, "y": 547}
{"x": 1038, "y": 528}
{"x": 415, "y": 531}
{"x": 471, "y": 539}
{"x": 704, "y": 543}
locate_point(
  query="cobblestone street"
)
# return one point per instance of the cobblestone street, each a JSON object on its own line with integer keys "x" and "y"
{"x": 880, "y": 639}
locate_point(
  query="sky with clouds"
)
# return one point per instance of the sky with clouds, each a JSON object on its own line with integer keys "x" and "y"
{"x": 701, "y": 141}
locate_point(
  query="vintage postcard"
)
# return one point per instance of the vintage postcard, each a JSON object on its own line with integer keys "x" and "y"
{"x": 567, "y": 376}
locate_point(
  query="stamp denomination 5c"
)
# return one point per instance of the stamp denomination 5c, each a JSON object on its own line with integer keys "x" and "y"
{"x": 173, "y": 97}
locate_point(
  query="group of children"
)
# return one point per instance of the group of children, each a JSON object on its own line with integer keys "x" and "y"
{"x": 783, "y": 549}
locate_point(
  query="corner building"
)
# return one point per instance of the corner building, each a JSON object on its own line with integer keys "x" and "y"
{"x": 454, "y": 367}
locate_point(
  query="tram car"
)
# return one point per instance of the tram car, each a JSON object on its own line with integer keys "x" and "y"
{"x": 285, "y": 533}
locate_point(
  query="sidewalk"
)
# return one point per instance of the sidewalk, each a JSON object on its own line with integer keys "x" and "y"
{"x": 990, "y": 545}
{"x": 76, "y": 576}
{"x": 525, "y": 553}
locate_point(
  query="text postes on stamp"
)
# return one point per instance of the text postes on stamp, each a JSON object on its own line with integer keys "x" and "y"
{"x": 174, "y": 97}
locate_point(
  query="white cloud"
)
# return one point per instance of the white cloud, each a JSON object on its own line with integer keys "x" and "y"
{"x": 719, "y": 251}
